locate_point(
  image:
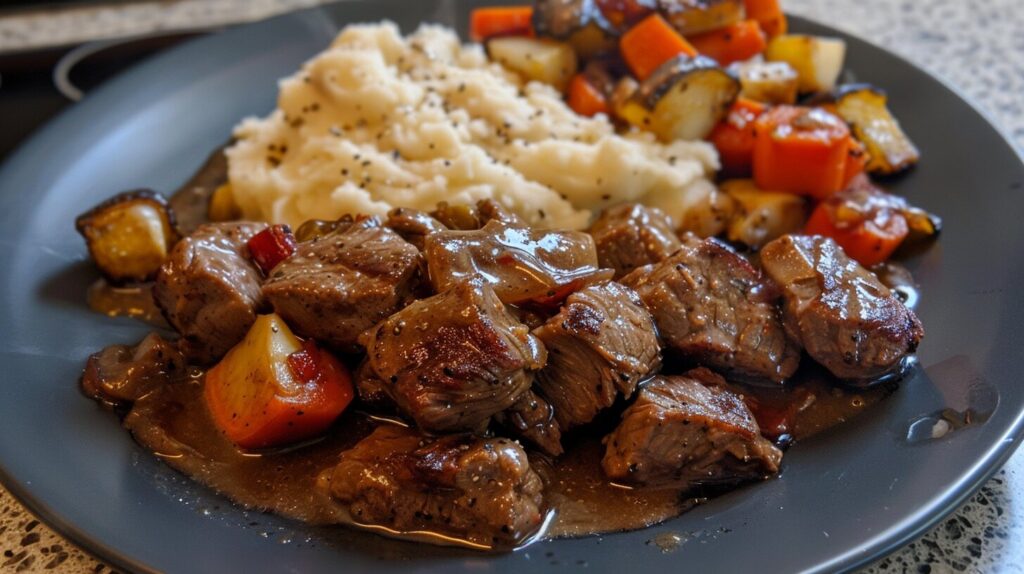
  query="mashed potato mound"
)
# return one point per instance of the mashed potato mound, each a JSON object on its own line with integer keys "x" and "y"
{"x": 379, "y": 121}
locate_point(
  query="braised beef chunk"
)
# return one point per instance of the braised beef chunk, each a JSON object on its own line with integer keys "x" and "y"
{"x": 522, "y": 265}
{"x": 533, "y": 418}
{"x": 480, "y": 490}
{"x": 490, "y": 210}
{"x": 454, "y": 360}
{"x": 209, "y": 290}
{"x": 712, "y": 306}
{"x": 339, "y": 285}
{"x": 412, "y": 224}
{"x": 688, "y": 431}
{"x": 599, "y": 346}
{"x": 632, "y": 235}
{"x": 121, "y": 373}
{"x": 845, "y": 317}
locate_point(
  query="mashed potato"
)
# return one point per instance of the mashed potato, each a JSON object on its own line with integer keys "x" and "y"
{"x": 379, "y": 121}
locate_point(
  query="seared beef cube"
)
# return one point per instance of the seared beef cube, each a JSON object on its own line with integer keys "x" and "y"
{"x": 845, "y": 317}
{"x": 688, "y": 431}
{"x": 209, "y": 289}
{"x": 372, "y": 391}
{"x": 480, "y": 490}
{"x": 122, "y": 374}
{"x": 412, "y": 224}
{"x": 335, "y": 287}
{"x": 533, "y": 419}
{"x": 454, "y": 360}
{"x": 632, "y": 235}
{"x": 712, "y": 306}
{"x": 599, "y": 345}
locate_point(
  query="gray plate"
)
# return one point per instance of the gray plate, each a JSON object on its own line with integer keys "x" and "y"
{"x": 844, "y": 498}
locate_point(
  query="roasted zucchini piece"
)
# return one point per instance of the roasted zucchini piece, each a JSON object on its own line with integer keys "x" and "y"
{"x": 768, "y": 82}
{"x": 691, "y": 17}
{"x": 222, "y": 206}
{"x": 580, "y": 23}
{"x": 817, "y": 60}
{"x": 687, "y": 97}
{"x": 761, "y": 216}
{"x": 129, "y": 235}
{"x": 864, "y": 108}
{"x": 536, "y": 59}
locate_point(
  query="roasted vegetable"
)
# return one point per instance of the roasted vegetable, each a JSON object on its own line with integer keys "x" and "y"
{"x": 271, "y": 389}
{"x": 734, "y": 43}
{"x": 761, "y": 216}
{"x": 578, "y": 23}
{"x": 222, "y": 206}
{"x": 818, "y": 61}
{"x": 767, "y": 13}
{"x": 271, "y": 246}
{"x": 692, "y": 17}
{"x": 493, "y": 21}
{"x": 889, "y": 148}
{"x": 129, "y": 235}
{"x": 586, "y": 99}
{"x": 622, "y": 14}
{"x": 768, "y": 82}
{"x": 707, "y": 215}
{"x": 734, "y": 137}
{"x": 650, "y": 44}
{"x": 801, "y": 150}
{"x": 540, "y": 60}
{"x": 687, "y": 97}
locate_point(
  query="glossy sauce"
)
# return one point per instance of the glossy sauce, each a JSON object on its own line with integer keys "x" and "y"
{"x": 135, "y": 301}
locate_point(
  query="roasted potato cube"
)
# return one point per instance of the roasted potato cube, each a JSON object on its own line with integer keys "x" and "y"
{"x": 817, "y": 60}
{"x": 686, "y": 98}
{"x": 864, "y": 108}
{"x": 708, "y": 215}
{"x": 536, "y": 59}
{"x": 222, "y": 206}
{"x": 768, "y": 82}
{"x": 129, "y": 235}
{"x": 761, "y": 216}
{"x": 696, "y": 16}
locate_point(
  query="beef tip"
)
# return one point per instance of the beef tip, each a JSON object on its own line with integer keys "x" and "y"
{"x": 599, "y": 345}
{"x": 373, "y": 392}
{"x": 845, "y": 317}
{"x": 524, "y": 266}
{"x": 480, "y": 490}
{"x": 632, "y": 235}
{"x": 335, "y": 287}
{"x": 490, "y": 210}
{"x": 412, "y": 225}
{"x": 688, "y": 431}
{"x": 454, "y": 360}
{"x": 123, "y": 374}
{"x": 712, "y": 306}
{"x": 533, "y": 418}
{"x": 209, "y": 289}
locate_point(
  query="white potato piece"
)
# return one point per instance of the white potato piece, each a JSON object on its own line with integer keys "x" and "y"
{"x": 760, "y": 216}
{"x": 817, "y": 60}
{"x": 536, "y": 59}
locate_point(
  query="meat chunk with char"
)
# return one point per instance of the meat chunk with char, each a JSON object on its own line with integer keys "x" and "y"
{"x": 845, "y": 317}
{"x": 533, "y": 419}
{"x": 712, "y": 306}
{"x": 479, "y": 490}
{"x": 335, "y": 287}
{"x": 632, "y": 235}
{"x": 209, "y": 289}
{"x": 523, "y": 266}
{"x": 686, "y": 432}
{"x": 452, "y": 361}
{"x": 600, "y": 344}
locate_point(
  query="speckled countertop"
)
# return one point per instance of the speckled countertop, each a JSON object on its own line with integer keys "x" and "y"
{"x": 977, "y": 45}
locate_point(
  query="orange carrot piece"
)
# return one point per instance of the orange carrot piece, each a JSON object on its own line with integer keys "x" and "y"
{"x": 734, "y": 43}
{"x": 585, "y": 99}
{"x": 735, "y": 137}
{"x": 650, "y": 44}
{"x": 624, "y": 13}
{"x": 487, "y": 23}
{"x": 769, "y": 15}
{"x": 870, "y": 241}
{"x": 801, "y": 150}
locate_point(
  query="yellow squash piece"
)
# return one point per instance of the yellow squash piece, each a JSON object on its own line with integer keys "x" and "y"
{"x": 761, "y": 216}
{"x": 865, "y": 109}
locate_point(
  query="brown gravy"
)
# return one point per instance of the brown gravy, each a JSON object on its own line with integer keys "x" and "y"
{"x": 135, "y": 301}
{"x": 174, "y": 424}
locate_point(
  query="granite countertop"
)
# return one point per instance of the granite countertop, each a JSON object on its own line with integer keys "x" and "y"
{"x": 978, "y": 46}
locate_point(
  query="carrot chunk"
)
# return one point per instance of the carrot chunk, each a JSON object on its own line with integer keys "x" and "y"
{"x": 651, "y": 43}
{"x": 487, "y": 23}
{"x": 584, "y": 98}
{"x": 734, "y": 137}
{"x": 735, "y": 43}
{"x": 769, "y": 15}
{"x": 801, "y": 150}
